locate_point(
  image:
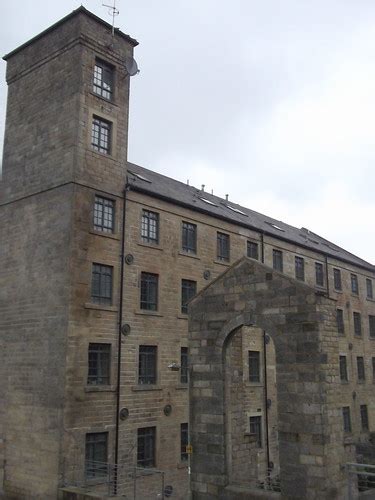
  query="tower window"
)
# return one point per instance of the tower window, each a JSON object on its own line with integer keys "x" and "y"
{"x": 104, "y": 211}
{"x": 101, "y": 284}
{"x": 103, "y": 80}
{"x": 101, "y": 135}
{"x": 254, "y": 366}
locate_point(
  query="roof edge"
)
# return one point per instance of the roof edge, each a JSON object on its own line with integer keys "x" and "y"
{"x": 80, "y": 10}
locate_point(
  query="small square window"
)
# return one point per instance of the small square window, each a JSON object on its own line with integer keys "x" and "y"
{"x": 146, "y": 447}
{"x": 340, "y": 321}
{"x": 346, "y": 419}
{"x": 354, "y": 283}
{"x": 319, "y": 274}
{"x": 103, "y": 80}
{"x": 150, "y": 227}
{"x": 277, "y": 256}
{"x": 300, "y": 268}
{"x": 254, "y": 366}
{"x": 188, "y": 290}
{"x": 96, "y": 455}
{"x": 357, "y": 324}
{"x": 189, "y": 238}
{"x": 104, "y": 214}
{"x": 184, "y": 372}
{"x": 184, "y": 433}
{"x": 149, "y": 291}
{"x": 99, "y": 364}
{"x": 101, "y": 284}
{"x": 223, "y": 247}
{"x": 369, "y": 290}
{"x": 337, "y": 279}
{"x": 371, "y": 324}
{"x": 101, "y": 135}
{"x": 253, "y": 250}
{"x": 256, "y": 429}
{"x": 361, "y": 369}
{"x": 343, "y": 369}
{"x": 147, "y": 365}
{"x": 364, "y": 418}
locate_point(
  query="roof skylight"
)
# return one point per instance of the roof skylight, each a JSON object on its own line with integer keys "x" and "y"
{"x": 139, "y": 176}
{"x": 275, "y": 226}
{"x": 236, "y": 210}
{"x": 208, "y": 201}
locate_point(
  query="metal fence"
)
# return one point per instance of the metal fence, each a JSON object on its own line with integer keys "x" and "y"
{"x": 361, "y": 481}
{"x": 270, "y": 482}
{"x": 117, "y": 481}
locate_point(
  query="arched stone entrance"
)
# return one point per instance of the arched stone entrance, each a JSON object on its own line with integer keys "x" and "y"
{"x": 302, "y": 325}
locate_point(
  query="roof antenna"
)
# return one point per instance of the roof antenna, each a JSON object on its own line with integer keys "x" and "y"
{"x": 112, "y": 11}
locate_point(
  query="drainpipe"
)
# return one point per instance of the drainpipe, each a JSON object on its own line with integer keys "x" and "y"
{"x": 120, "y": 316}
{"x": 327, "y": 280}
{"x": 265, "y": 374}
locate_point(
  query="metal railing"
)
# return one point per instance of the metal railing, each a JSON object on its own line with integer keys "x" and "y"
{"x": 270, "y": 482}
{"x": 361, "y": 481}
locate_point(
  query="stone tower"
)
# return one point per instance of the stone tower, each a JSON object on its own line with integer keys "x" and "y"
{"x": 65, "y": 150}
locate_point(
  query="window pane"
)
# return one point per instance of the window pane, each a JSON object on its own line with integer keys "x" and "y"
{"x": 300, "y": 268}
{"x": 103, "y": 80}
{"x": 184, "y": 441}
{"x": 319, "y": 274}
{"x": 223, "y": 247}
{"x": 343, "y": 369}
{"x": 277, "y": 260}
{"x": 256, "y": 428}
{"x": 369, "y": 289}
{"x": 96, "y": 454}
{"x": 146, "y": 447}
{"x": 101, "y": 135}
{"x": 354, "y": 283}
{"x": 371, "y": 322}
{"x": 189, "y": 237}
{"x": 254, "y": 366}
{"x": 337, "y": 279}
{"x": 360, "y": 368}
{"x": 184, "y": 374}
{"x": 340, "y": 321}
{"x": 357, "y": 323}
{"x": 252, "y": 250}
{"x": 101, "y": 284}
{"x": 364, "y": 418}
{"x": 149, "y": 291}
{"x": 147, "y": 364}
{"x": 188, "y": 290}
{"x": 99, "y": 364}
{"x": 346, "y": 418}
{"x": 104, "y": 214}
{"x": 150, "y": 227}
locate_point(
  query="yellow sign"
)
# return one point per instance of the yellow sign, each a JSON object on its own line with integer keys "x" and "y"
{"x": 189, "y": 449}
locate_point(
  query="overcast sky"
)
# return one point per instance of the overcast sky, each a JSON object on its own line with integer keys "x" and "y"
{"x": 270, "y": 101}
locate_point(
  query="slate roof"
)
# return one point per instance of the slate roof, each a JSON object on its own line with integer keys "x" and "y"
{"x": 146, "y": 181}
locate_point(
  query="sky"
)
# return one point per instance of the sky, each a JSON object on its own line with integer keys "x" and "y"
{"x": 269, "y": 101}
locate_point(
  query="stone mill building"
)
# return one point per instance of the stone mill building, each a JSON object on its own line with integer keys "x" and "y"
{"x": 99, "y": 261}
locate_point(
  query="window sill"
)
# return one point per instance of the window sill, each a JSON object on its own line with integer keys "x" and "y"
{"x": 148, "y": 313}
{"x": 154, "y": 246}
{"x": 112, "y": 236}
{"x": 371, "y": 337}
{"x": 191, "y": 255}
{"x": 100, "y": 307}
{"x": 182, "y": 387}
{"x": 104, "y": 99}
{"x": 337, "y": 291}
{"x": 100, "y": 388}
{"x": 355, "y": 295}
{"x": 344, "y": 382}
{"x": 253, "y": 384}
{"x": 146, "y": 387}
{"x": 370, "y": 299}
{"x": 185, "y": 316}
{"x": 101, "y": 155}
{"x": 222, "y": 263}
{"x": 361, "y": 382}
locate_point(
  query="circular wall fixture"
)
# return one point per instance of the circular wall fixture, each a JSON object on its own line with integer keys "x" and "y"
{"x": 124, "y": 413}
{"x": 125, "y": 329}
{"x": 267, "y": 339}
{"x": 207, "y": 274}
{"x": 129, "y": 259}
{"x": 168, "y": 490}
{"x": 167, "y": 410}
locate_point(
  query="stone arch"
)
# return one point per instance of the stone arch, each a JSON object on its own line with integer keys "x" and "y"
{"x": 302, "y": 326}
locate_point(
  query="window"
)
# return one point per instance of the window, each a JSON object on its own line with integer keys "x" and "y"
{"x": 147, "y": 364}
{"x": 223, "y": 247}
{"x": 101, "y": 284}
{"x": 343, "y": 369}
{"x": 300, "y": 268}
{"x": 370, "y": 294}
{"x": 346, "y": 418}
{"x": 184, "y": 432}
{"x": 340, "y": 321}
{"x": 371, "y": 324}
{"x": 99, "y": 364}
{"x": 104, "y": 215}
{"x": 256, "y": 429}
{"x": 360, "y": 369}
{"x": 277, "y": 256}
{"x": 101, "y": 135}
{"x": 364, "y": 417}
{"x": 354, "y": 284}
{"x": 103, "y": 80}
{"x": 337, "y": 279}
{"x": 150, "y": 227}
{"x": 189, "y": 237}
{"x": 146, "y": 447}
{"x": 149, "y": 291}
{"x": 188, "y": 290}
{"x": 184, "y": 373}
{"x": 254, "y": 366}
{"x": 319, "y": 274}
{"x": 357, "y": 324}
{"x": 252, "y": 250}
{"x": 96, "y": 454}
{"x": 373, "y": 369}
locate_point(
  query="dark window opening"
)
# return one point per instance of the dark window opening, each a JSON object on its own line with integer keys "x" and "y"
{"x": 223, "y": 247}
{"x": 337, "y": 279}
{"x": 103, "y": 80}
{"x": 188, "y": 290}
{"x": 254, "y": 366}
{"x": 300, "y": 268}
{"x": 184, "y": 373}
{"x": 343, "y": 369}
{"x": 104, "y": 214}
{"x": 319, "y": 274}
{"x": 101, "y": 135}
{"x": 146, "y": 447}
{"x": 150, "y": 227}
{"x": 277, "y": 256}
{"x": 340, "y": 321}
{"x": 96, "y": 454}
{"x": 357, "y": 324}
{"x": 147, "y": 368}
{"x": 364, "y": 417}
{"x": 256, "y": 429}
{"x": 253, "y": 250}
{"x": 99, "y": 364}
{"x": 101, "y": 284}
{"x": 346, "y": 419}
{"x": 184, "y": 441}
{"x": 369, "y": 290}
{"x": 361, "y": 369}
{"x": 354, "y": 284}
{"x": 371, "y": 324}
{"x": 189, "y": 237}
{"x": 149, "y": 291}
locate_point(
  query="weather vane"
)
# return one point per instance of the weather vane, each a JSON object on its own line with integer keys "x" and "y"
{"x": 112, "y": 11}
